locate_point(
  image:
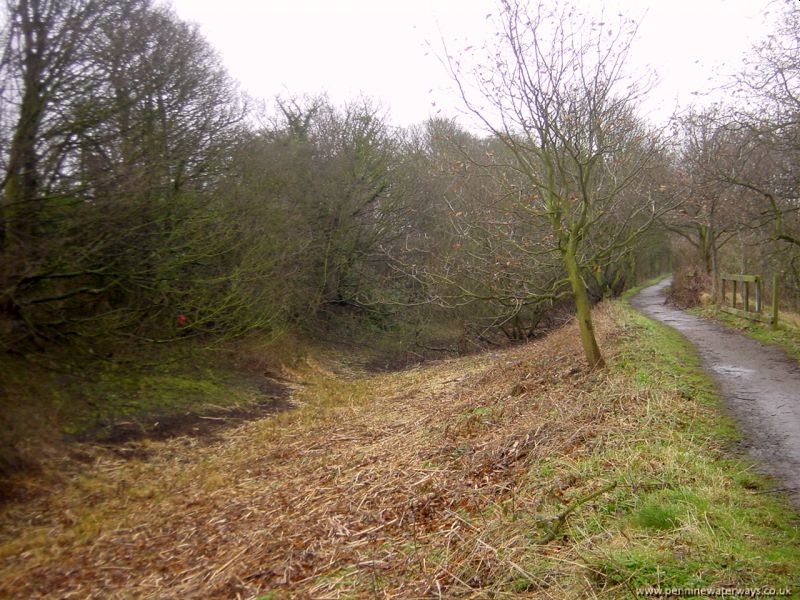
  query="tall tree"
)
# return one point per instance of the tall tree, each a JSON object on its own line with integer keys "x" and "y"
{"x": 170, "y": 110}
{"x": 555, "y": 93}
{"x": 768, "y": 129}
{"x": 708, "y": 217}
{"x": 122, "y": 119}
{"x": 43, "y": 68}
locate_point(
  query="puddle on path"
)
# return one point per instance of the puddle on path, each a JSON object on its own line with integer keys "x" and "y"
{"x": 732, "y": 370}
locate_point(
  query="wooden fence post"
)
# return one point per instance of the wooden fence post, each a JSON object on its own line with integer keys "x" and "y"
{"x": 759, "y": 295}
{"x": 741, "y": 283}
{"x": 746, "y": 296}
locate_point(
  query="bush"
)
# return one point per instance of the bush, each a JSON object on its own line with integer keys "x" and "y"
{"x": 691, "y": 286}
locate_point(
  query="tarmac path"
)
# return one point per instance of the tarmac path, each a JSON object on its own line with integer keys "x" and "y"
{"x": 760, "y": 384}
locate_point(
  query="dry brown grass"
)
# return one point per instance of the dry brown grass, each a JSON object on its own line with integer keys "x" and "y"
{"x": 690, "y": 286}
{"x": 410, "y": 484}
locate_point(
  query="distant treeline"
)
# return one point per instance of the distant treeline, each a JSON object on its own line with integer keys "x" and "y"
{"x": 144, "y": 198}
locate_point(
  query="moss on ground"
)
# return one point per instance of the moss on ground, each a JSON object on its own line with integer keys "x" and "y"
{"x": 47, "y": 399}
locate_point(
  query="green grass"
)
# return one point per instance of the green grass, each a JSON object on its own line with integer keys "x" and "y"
{"x": 81, "y": 399}
{"x": 686, "y": 512}
{"x": 46, "y": 398}
{"x": 700, "y": 517}
{"x": 657, "y": 515}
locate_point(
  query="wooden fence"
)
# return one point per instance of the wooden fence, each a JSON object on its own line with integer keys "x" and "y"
{"x": 743, "y": 285}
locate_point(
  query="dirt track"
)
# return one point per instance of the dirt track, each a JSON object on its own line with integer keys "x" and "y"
{"x": 760, "y": 384}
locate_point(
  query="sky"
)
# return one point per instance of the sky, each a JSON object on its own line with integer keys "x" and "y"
{"x": 388, "y": 50}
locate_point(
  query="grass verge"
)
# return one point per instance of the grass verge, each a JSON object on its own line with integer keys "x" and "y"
{"x": 707, "y": 519}
{"x": 506, "y": 475}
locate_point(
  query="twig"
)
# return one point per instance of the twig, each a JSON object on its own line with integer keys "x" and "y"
{"x": 557, "y": 522}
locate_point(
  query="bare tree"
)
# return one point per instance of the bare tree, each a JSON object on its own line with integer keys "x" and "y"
{"x": 555, "y": 93}
{"x": 169, "y": 111}
{"x": 765, "y": 157}
{"x": 739, "y": 163}
{"x": 121, "y": 120}
{"x": 44, "y": 68}
{"x": 713, "y": 210}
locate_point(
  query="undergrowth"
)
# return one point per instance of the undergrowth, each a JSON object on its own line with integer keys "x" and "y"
{"x": 48, "y": 399}
{"x": 509, "y": 474}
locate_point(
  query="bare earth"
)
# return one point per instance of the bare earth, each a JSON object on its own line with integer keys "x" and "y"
{"x": 760, "y": 384}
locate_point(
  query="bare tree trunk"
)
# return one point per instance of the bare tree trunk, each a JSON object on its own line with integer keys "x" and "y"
{"x": 20, "y": 189}
{"x": 583, "y": 309}
{"x": 714, "y": 267}
{"x": 21, "y": 182}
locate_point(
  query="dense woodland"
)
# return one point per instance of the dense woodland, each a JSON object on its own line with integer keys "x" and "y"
{"x": 145, "y": 199}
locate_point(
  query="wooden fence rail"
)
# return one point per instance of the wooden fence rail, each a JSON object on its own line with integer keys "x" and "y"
{"x": 745, "y": 282}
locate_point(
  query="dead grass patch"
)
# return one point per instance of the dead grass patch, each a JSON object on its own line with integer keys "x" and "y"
{"x": 447, "y": 479}
{"x": 690, "y": 285}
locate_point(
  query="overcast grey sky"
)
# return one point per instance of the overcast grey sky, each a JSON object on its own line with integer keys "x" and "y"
{"x": 380, "y": 48}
